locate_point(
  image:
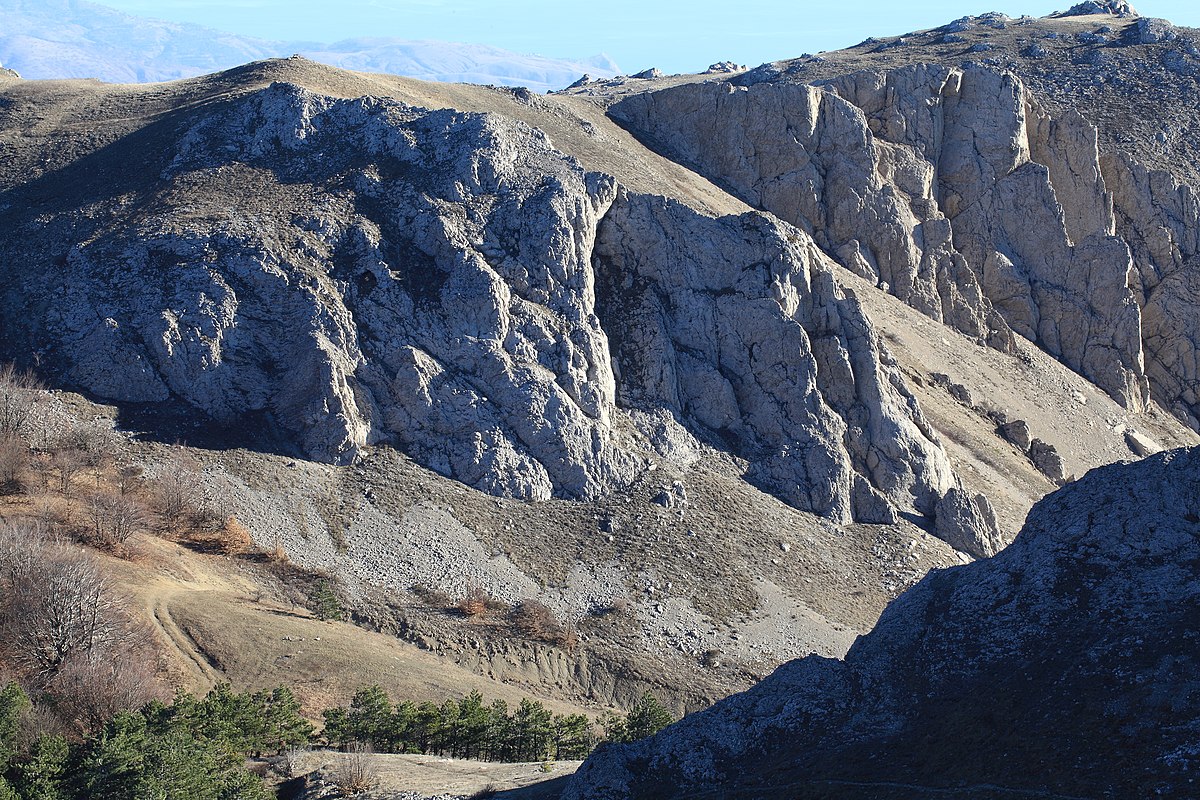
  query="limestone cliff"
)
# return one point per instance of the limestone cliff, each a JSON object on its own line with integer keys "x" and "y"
{"x": 357, "y": 271}
{"x": 951, "y": 186}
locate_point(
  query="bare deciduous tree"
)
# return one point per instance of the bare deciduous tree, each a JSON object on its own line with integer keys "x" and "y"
{"x": 176, "y": 490}
{"x": 55, "y": 604}
{"x": 115, "y": 519}
{"x": 19, "y": 394}
{"x": 91, "y": 688}
{"x": 68, "y": 462}
{"x": 128, "y": 476}
{"x": 14, "y": 458}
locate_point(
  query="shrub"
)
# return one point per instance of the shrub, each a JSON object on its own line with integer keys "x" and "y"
{"x": 234, "y": 538}
{"x": 14, "y": 458}
{"x": 353, "y": 772}
{"x": 115, "y": 519}
{"x": 532, "y": 619}
{"x": 479, "y": 603}
{"x": 19, "y": 394}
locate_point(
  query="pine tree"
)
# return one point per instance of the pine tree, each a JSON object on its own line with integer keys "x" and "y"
{"x": 13, "y": 705}
{"x": 42, "y": 775}
{"x": 533, "y": 731}
{"x": 325, "y": 603}
{"x": 647, "y": 717}
{"x": 371, "y": 718}
{"x": 573, "y": 737}
{"x": 472, "y": 730}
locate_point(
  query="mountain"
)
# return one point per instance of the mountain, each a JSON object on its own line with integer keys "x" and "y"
{"x": 1066, "y": 666}
{"x": 714, "y": 367}
{"x": 77, "y": 39}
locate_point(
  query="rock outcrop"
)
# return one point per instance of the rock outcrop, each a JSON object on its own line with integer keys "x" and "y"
{"x": 1065, "y": 666}
{"x": 951, "y": 186}
{"x": 357, "y": 271}
{"x": 738, "y": 327}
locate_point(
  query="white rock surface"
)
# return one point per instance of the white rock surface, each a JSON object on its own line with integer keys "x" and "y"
{"x": 448, "y": 282}
{"x": 951, "y": 186}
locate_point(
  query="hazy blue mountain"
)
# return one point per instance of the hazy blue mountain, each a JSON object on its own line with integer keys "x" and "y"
{"x": 78, "y": 39}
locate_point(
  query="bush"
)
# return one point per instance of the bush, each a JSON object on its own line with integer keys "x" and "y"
{"x": 19, "y": 395}
{"x": 353, "y": 772}
{"x": 479, "y": 603}
{"x": 234, "y": 538}
{"x": 115, "y": 519}
{"x": 534, "y": 620}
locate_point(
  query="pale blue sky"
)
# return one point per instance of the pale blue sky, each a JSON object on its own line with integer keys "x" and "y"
{"x": 673, "y": 36}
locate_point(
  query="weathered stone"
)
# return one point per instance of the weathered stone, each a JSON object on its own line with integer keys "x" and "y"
{"x": 949, "y": 185}
{"x": 1016, "y": 432}
{"x": 1141, "y": 444}
{"x": 967, "y": 523}
{"x": 1047, "y": 460}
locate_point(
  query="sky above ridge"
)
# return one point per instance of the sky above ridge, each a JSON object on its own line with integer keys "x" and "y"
{"x": 671, "y": 35}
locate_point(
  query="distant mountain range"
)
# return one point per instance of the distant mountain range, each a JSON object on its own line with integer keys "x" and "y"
{"x": 77, "y": 39}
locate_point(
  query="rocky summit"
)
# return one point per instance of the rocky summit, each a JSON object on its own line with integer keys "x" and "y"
{"x": 1065, "y": 666}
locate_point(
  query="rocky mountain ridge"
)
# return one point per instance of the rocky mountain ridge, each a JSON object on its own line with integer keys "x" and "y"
{"x": 968, "y": 199}
{"x": 1064, "y": 666}
{"x": 608, "y": 370}
{"x": 447, "y": 272}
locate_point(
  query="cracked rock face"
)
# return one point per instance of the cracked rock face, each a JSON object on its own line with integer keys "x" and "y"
{"x": 949, "y": 186}
{"x": 358, "y": 271}
{"x": 431, "y": 284}
{"x": 738, "y": 327}
{"x": 1074, "y": 652}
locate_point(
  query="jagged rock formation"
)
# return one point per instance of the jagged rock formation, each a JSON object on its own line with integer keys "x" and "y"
{"x": 362, "y": 271}
{"x": 1066, "y": 665}
{"x": 768, "y": 353}
{"x": 951, "y": 186}
{"x": 1117, "y": 8}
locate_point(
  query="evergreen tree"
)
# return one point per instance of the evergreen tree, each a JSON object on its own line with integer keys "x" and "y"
{"x": 404, "y": 720}
{"x": 647, "y": 717}
{"x": 472, "y": 728}
{"x": 370, "y": 718}
{"x": 337, "y": 731}
{"x": 42, "y": 775}
{"x": 498, "y": 745}
{"x": 325, "y": 603}
{"x": 13, "y": 705}
{"x": 426, "y": 727}
{"x": 573, "y": 737}
{"x": 532, "y": 731}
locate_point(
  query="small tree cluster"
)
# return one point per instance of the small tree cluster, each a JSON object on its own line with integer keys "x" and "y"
{"x": 193, "y": 749}
{"x": 645, "y": 718}
{"x": 469, "y": 728}
{"x": 478, "y": 603}
{"x": 65, "y": 630}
